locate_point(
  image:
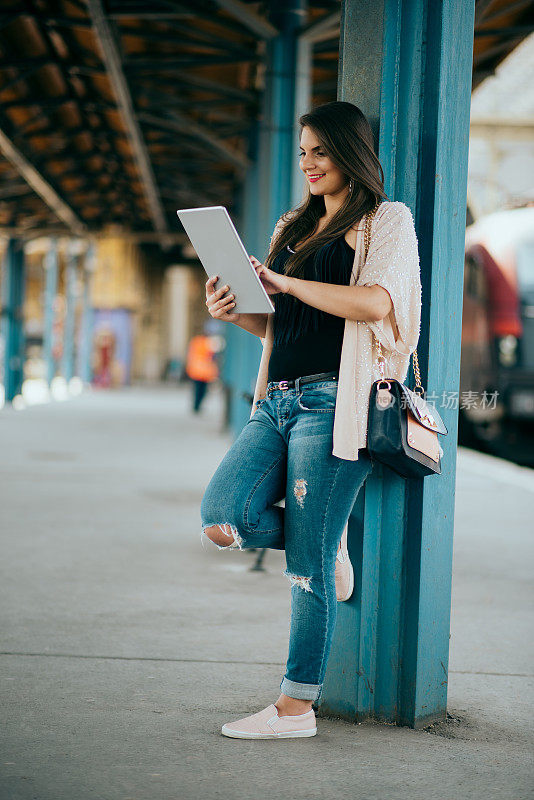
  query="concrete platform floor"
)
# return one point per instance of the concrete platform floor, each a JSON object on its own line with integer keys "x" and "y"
{"x": 125, "y": 645}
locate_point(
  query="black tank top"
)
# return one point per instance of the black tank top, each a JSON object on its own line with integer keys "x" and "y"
{"x": 305, "y": 339}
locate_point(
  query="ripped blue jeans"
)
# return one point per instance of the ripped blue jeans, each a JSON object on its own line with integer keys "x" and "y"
{"x": 285, "y": 450}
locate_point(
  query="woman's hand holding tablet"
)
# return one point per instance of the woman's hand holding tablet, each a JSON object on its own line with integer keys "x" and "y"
{"x": 272, "y": 282}
{"x": 218, "y": 302}
{"x": 220, "y": 306}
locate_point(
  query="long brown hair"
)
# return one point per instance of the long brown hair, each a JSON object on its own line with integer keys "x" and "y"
{"x": 347, "y": 139}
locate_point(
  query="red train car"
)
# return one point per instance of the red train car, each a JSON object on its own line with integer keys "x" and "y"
{"x": 498, "y": 328}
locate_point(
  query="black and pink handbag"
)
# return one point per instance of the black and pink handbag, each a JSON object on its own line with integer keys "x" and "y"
{"x": 402, "y": 428}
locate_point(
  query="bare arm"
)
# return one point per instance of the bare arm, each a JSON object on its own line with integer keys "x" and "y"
{"x": 367, "y": 303}
{"x": 253, "y": 323}
{"x": 357, "y": 303}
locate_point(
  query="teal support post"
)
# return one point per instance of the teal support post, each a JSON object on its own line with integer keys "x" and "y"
{"x": 269, "y": 185}
{"x": 441, "y": 216}
{"x": 13, "y": 318}
{"x": 70, "y": 314}
{"x": 51, "y": 272}
{"x": 281, "y": 76}
{"x": 302, "y": 104}
{"x": 284, "y": 97}
{"x": 390, "y": 654}
{"x": 85, "y": 345}
{"x": 242, "y": 348}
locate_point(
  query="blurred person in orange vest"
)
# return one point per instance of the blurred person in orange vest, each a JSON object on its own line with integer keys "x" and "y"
{"x": 201, "y": 366}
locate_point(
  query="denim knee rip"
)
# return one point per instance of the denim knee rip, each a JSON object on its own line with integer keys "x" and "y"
{"x": 237, "y": 539}
{"x": 298, "y": 580}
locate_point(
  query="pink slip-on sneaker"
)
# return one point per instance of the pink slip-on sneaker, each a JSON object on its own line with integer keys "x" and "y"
{"x": 267, "y": 724}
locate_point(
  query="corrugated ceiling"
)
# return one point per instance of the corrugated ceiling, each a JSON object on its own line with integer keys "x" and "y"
{"x": 116, "y": 111}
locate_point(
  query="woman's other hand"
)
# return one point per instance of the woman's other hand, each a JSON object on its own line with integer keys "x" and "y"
{"x": 220, "y": 307}
{"x": 272, "y": 282}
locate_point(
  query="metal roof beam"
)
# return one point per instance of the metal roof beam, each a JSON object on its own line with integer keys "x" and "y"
{"x": 187, "y": 80}
{"x": 153, "y": 97}
{"x": 506, "y": 10}
{"x": 318, "y": 29}
{"x": 63, "y": 22}
{"x": 165, "y": 63}
{"x": 10, "y": 190}
{"x": 189, "y": 34}
{"x": 481, "y": 8}
{"x": 120, "y": 88}
{"x": 131, "y": 236}
{"x": 153, "y": 16}
{"x": 496, "y": 50}
{"x": 254, "y": 22}
{"x": 46, "y": 61}
{"x": 510, "y": 30}
{"x": 97, "y": 133}
{"x": 56, "y": 102}
{"x": 21, "y": 77}
{"x": 173, "y": 13}
{"x": 178, "y": 122}
{"x": 41, "y": 186}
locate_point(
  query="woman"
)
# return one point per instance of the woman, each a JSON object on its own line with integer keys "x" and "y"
{"x": 306, "y": 436}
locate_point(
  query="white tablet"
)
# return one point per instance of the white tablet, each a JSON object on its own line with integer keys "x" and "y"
{"x": 222, "y": 253}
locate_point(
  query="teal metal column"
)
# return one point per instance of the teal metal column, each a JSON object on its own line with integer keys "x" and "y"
{"x": 269, "y": 184}
{"x": 281, "y": 78}
{"x": 51, "y": 271}
{"x": 243, "y": 349}
{"x": 85, "y": 346}
{"x": 302, "y": 104}
{"x": 13, "y": 319}
{"x": 391, "y": 647}
{"x": 70, "y": 314}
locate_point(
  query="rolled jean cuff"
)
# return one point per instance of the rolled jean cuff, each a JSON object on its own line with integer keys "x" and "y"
{"x": 300, "y": 691}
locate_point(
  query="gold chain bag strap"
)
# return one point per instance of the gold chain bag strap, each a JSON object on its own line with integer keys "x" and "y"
{"x": 402, "y": 427}
{"x": 381, "y": 360}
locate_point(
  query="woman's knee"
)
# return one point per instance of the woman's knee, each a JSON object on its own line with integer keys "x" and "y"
{"x": 219, "y": 523}
{"x": 223, "y": 535}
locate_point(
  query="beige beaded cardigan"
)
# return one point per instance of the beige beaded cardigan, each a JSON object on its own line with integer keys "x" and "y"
{"x": 392, "y": 262}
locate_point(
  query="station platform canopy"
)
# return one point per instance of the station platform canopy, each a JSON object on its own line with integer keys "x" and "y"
{"x": 117, "y": 112}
